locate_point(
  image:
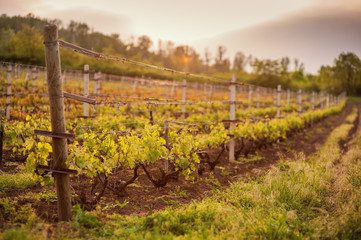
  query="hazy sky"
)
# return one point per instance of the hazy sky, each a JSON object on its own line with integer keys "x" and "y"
{"x": 198, "y": 22}
{"x": 182, "y": 21}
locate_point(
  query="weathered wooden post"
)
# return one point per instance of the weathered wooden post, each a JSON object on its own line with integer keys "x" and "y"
{"x": 8, "y": 93}
{"x": 172, "y": 91}
{"x": 26, "y": 75}
{"x": 184, "y": 98}
{"x": 232, "y": 116}
{"x": 55, "y": 89}
{"x": 15, "y": 71}
{"x": 135, "y": 84}
{"x": 250, "y": 97}
{"x": 86, "y": 89}
{"x": 278, "y": 101}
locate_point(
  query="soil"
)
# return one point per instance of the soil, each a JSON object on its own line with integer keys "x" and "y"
{"x": 142, "y": 197}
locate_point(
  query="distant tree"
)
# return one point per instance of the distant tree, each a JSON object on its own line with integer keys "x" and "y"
{"x": 207, "y": 59}
{"x": 347, "y": 69}
{"x": 144, "y": 43}
{"x": 185, "y": 58}
{"x": 328, "y": 82}
{"x": 285, "y": 62}
{"x": 221, "y": 64}
{"x": 5, "y": 35}
{"x": 239, "y": 62}
{"x": 28, "y": 44}
{"x": 268, "y": 72}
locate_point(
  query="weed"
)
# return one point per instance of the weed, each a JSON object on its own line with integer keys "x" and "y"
{"x": 178, "y": 193}
{"x": 224, "y": 171}
{"x": 171, "y": 203}
{"x": 211, "y": 180}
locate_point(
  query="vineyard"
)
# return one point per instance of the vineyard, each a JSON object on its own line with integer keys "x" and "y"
{"x": 132, "y": 146}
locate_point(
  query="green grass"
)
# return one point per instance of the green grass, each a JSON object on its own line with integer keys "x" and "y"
{"x": 354, "y": 99}
{"x": 16, "y": 181}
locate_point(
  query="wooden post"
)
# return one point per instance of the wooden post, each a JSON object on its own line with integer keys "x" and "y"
{"x": 258, "y": 97}
{"x": 15, "y": 71}
{"x": 8, "y": 93}
{"x": 184, "y": 98}
{"x": 250, "y": 97}
{"x": 86, "y": 89}
{"x": 278, "y": 101}
{"x": 135, "y": 84}
{"x": 232, "y": 116}
{"x": 173, "y": 88}
{"x": 313, "y": 101}
{"x": 299, "y": 102}
{"x": 26, "y": 75}
{"x": 55, "y": 89}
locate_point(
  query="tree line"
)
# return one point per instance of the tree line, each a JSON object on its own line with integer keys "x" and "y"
{"x": 21, "y": 41}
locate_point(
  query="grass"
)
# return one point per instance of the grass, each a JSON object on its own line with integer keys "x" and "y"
{"x": 16, "y": 181}
{"x": 354, "y": 99}
{"x": 316, "y": 197}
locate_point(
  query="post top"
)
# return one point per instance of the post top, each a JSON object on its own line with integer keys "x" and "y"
{"x": 50, "y": 33}
{"x": 50, "y": 27}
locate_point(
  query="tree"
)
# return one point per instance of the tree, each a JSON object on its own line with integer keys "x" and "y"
{"x": 28, "y": 44}
{"x": 221, "y": 64}
{"x": 144, "y": 43}
{"x": 328, "y": 82}
{"x": 347, "y": 70}
{"x": 239, "y": 62}
{"x": 207, "y": 58}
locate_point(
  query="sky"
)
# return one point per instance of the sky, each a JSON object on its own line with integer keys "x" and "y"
{"x": 181, "y": 21}
{"x": 199, "y": 23}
